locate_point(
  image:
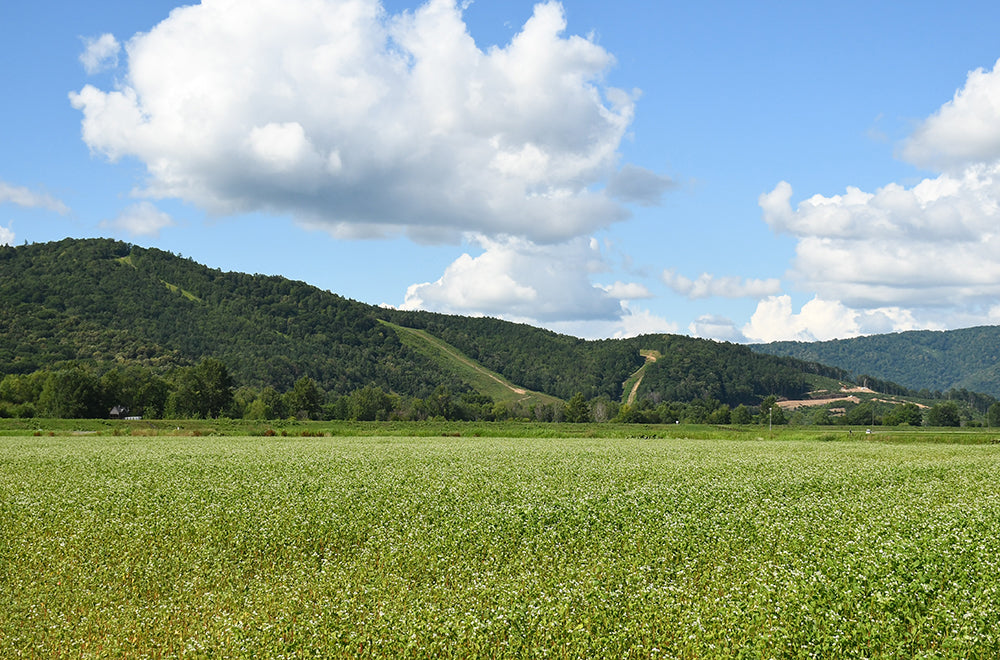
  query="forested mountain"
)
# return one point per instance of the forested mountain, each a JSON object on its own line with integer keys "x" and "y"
{"x": 105, "y": 307}
{"x": 921, "y": 359}
{"x": 690, "y": 369}
{"x": 102, "y": 302}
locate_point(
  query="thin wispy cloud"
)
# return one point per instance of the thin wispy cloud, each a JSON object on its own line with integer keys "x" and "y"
{"x": 140, "y": 219}
{"x": 27, "y": 198}
{"x": 100, "y": 53}
{"x": 710, "y": 286}
{"x": 637, "y": 185}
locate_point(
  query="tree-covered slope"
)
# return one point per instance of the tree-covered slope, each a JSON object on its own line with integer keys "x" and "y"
{"x": 534, "y": 358}
{"x": 921, "y": 359}
{"x": 688, "y": 369}
{"x": 481, "y": 379}
{"x": 102, "y": 303}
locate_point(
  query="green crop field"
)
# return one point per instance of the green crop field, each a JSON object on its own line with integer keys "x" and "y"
{"x": 117, "y": 546}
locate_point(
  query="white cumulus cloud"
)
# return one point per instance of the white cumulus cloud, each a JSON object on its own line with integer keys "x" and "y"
{"x": 637, "y": 321}
{"x": 100, "y": 53}
{"x": 6, "y": 236}
{"x": 928, "y": 251}
{"x": 634, "y": 321}
{"x": 822, "y": 320}
{"x": 818, "y": 320}
{"x": 365, "y": 123}
{"x": 141, "y": 219}
{"x": 516, "y": 279}
{"x": 936, "y": 244}
{"x": 965, "y": 130}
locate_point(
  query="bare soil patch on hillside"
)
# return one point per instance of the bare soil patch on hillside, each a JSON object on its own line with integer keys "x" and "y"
{"x": 846, "y": 394}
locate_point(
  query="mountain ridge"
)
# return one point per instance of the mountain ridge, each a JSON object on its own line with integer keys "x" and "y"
{"x": 931, "y": 360}
{"x": 102, "y": 303}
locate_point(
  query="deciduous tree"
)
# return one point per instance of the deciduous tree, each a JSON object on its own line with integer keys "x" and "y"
{"x": 944, "y": 414}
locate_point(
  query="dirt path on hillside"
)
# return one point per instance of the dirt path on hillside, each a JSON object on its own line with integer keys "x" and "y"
{"x": 650, "y": 357}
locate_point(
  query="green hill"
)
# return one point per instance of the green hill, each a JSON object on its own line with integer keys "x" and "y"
{"x": 108, "y": 306}
{"x": 966, "y": 359}
{"x": 102, "y": 303}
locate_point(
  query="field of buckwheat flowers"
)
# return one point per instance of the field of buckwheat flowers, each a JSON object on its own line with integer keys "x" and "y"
{"x": 485, "y": 547}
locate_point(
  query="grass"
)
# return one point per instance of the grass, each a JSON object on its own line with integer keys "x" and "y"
{"x": 176, "y": 289}
{"x": 470, "y": 547}
{"x": 509, "y": 429}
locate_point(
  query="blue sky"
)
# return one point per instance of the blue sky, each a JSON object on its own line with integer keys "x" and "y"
{"x": 739, "y": 171}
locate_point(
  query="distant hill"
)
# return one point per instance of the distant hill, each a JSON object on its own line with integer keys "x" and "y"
{"x": 923, "y": 359}
{"x": 103, "y": 303}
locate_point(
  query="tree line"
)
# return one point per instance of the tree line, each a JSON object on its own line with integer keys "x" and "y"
{"x": 206, "y": 390}
{"x": 928, "y": 361}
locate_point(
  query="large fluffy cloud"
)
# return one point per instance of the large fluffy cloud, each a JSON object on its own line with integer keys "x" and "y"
{"x": 935, "y": 244}
{"x": 820, "y": 320}
{"x": 965, "y": 130}
{"x": 520, "y": 280}
{"x": 364, "y": 123}
{"x": 928, "y": 251}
